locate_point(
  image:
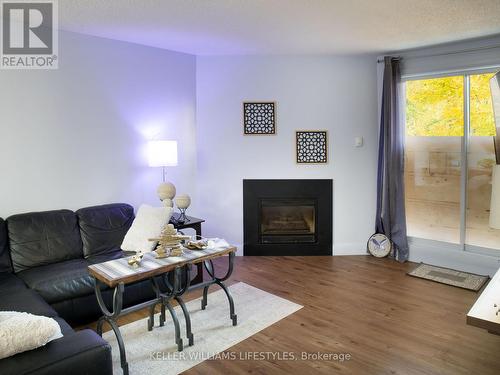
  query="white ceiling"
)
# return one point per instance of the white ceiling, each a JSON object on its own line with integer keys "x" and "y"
{"x": 212, "y": 27}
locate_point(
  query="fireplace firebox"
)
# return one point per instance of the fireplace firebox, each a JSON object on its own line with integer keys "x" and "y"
{"x": 287, "y": 220}
{"x": 287, "y": 217}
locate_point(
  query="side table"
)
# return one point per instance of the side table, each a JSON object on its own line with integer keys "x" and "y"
{"x": 190, "y": 223}
{"x": 117, "y": 273}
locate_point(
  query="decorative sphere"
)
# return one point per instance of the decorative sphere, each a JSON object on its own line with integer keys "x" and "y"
{"x": 183, "y": 201}
{"x": 166, "y": 190}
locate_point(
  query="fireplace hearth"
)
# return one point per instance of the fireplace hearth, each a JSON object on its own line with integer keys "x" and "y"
{"x": 287, "y": 217}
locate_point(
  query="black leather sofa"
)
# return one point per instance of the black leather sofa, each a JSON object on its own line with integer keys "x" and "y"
{"x": 43, "y": 270}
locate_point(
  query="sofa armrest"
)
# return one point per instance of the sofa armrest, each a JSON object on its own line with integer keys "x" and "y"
{"x": 79, "y": 353}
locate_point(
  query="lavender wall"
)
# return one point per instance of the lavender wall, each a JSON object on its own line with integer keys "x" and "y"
{"x": 76, "y": 136}
{"x": 312, "y": 92}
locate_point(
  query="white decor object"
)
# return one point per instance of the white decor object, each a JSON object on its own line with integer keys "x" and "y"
{"x": 379, "y": 245}
{"x": 217, "y": 243}
{"x": 168, "y": 202}
{"x": 495, "y": 198}
{"x": 163, "y": 154}
{"x": 147, "y": 224}
{"x": 166, "y": 192}
{"x": 183, "y": 201}
{"x": 256, "y": 311}
{"x": 21, "y": 331}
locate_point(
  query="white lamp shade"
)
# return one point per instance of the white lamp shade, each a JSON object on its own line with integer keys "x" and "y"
{"x": 162, "y": 153}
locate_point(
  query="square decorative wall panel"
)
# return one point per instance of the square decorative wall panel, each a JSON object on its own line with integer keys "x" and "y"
{"x": 312, "y": 146}
{"x": 259, "y": 118}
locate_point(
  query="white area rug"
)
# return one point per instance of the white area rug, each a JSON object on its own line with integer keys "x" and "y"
{"x": 155, "y": 352}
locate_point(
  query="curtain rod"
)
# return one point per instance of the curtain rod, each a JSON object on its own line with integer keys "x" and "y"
{"x": 447, "y": 53}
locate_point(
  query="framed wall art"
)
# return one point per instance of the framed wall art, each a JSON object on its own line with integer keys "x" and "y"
{"x": 259, "y": 118}
{"x": 311, "y": 146}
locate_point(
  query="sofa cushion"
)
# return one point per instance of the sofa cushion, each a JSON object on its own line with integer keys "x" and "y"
{"x": 10, "y": 283}
{"x": 94, "y": 259}
{"x": 104, "y": 227}
{"x": 26, "y": 300}
{"x": 84, "y": 310}
{"x": 80, "y": 353}
{"x": 22, "y": 332}
{"x": 148, "y": 224}
{"x": 65, "y": 327}
{"x": 41, "y": 238}
{"x": 60, "y": 281}
{"x": 5, "y": 263}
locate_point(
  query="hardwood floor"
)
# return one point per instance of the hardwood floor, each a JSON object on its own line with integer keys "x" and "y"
{"x": 388, "y": 322}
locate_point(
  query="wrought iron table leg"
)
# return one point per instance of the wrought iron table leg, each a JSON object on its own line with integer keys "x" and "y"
{"x": 151, "y": 319}
{"x": 162, "y": 315}
{"x": 178, "y": 339}
{"x": 204, "y": 300}
{"x": 121, "y": 346}
{"x": 173, "y": 291}
{"x": 232, "y": 315}
{"x": 156, "y": 289}
{"x": 184, "y": 273}
{"x": 209, "y": 266}
{"x": 187, "y": 318}
{"x": 100, "y": 322}
{"x": 110, "y": 318}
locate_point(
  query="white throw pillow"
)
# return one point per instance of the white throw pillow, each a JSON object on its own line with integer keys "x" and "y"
{"x": 20, "y": 331}
{"x": 148, "y": 223}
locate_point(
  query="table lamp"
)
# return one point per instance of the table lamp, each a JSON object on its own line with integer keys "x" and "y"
{"x": 164, "y": 154}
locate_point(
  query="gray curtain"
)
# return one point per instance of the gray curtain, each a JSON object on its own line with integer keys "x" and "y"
{"x": 391, "y": 216}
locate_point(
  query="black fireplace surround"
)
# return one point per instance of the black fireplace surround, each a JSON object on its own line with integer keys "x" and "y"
{"x": 287, "y": 217}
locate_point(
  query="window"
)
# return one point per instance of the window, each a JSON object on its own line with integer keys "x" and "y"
{"x": 449, "y": 158}
{"x": 480, "y": 162}
{"x": 435, "y": 107}
{"x": 482, "y": 120}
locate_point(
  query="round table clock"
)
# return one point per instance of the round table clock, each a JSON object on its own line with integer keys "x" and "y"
{"x": 379, "y": 245}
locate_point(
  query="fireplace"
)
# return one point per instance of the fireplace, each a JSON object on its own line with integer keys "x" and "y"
{"x": 287, "y": 217}
{"x": 288, "y": 220}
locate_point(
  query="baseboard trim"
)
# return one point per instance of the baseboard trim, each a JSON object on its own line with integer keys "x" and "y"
{"x": 349, "y": 249}
{"x": 341, "y": 249}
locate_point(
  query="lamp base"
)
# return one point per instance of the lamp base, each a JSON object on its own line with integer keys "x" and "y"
{"x": 180, "y": 218}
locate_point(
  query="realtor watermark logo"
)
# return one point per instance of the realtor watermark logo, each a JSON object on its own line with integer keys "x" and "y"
{"x": 29, "y": 37}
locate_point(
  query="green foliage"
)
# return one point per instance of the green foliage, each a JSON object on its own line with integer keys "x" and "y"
{"x": 434, "y": 107}
{"x": 482, "y": 120}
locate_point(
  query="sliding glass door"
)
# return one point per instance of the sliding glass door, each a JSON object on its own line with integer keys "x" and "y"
{"x": 449, "y": 158}
{"x": 434, "y": 133}
{"x": 480, "y": 162}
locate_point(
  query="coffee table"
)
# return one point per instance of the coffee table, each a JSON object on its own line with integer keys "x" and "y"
{"x": 174, "y": 272}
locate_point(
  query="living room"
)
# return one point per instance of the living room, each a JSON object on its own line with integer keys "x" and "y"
{"x": 368, "y": 130}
